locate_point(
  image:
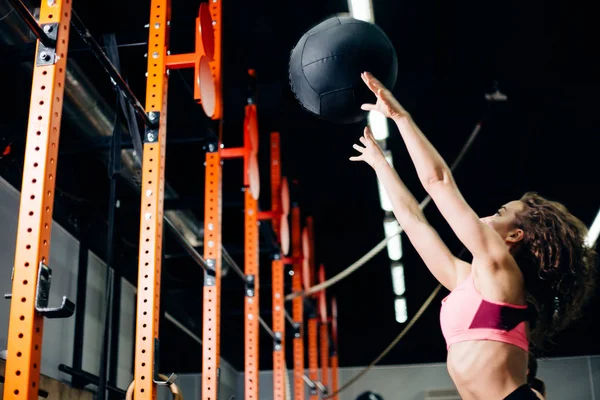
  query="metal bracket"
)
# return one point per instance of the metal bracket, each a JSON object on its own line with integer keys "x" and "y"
{"x": 296, "y": 330}
{"x": 47, "y": 55}
{"x": 151, "y": 134}
{"x": 322, "y": 388}
{"x": 277, "y": 341}
{"x": 249, "y": 285}
{"x": 311, "y": 385}
{"x": 156, "y": 378}
{"x": 66, "y": 309}
{"x": 210, "y": 273}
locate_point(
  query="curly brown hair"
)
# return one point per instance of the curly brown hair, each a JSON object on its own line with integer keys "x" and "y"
{"x": 558, "y": 268}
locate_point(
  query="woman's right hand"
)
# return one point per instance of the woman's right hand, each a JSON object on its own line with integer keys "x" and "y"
{"x": 371, "y": 152}
{"x": 386, "y": 102}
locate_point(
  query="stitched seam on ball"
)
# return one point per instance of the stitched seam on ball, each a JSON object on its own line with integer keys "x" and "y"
{"x": 307, "y": 81}
{"x": 325, "y": 58}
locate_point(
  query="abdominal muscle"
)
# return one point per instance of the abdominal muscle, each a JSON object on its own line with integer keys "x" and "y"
{"x": 486, "y": 369}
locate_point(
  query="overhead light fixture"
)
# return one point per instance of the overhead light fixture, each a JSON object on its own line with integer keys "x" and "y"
{"x": 398, "y": 278}
{"x": 361, "y": 9}
{"x": 379, "y": 125}
{"x": 401, "y": 310}
{"x": 593, "y": 232}
{"x": 394, "y": 245}
{"x": 386, "y": 204}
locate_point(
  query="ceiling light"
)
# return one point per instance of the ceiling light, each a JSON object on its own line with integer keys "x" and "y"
{"x": 361, "y": 9}
{"x": 398, "y": 278}
{"x": 379, "y": 125}
{"x": 401, "y": 310}
{"x": 394, "y": 245}
{"x": 594, "y": 232}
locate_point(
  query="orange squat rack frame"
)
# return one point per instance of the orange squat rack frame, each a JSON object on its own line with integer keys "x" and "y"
{"x": 279, "y": 211}
{"x": 323, "y": 330}
{"x": 313, "y": 321}
{"x": 146, "y": 365}
{"x": 31, "y": 273}
{"x": 297, "y": 305}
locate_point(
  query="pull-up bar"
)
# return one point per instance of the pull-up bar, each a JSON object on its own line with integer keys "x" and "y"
{"x": 109, "y": 67}
{"x": 38, "y": 31}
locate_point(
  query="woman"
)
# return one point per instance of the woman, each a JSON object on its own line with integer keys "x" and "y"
{"x": 531, "y": 251}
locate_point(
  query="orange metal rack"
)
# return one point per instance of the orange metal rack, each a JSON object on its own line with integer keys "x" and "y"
{"x": 278, "y": 216}
{"x": 31, "y": 273}
{"x": 335, "y": 383}
{"x": 297, "y": 305}
{"x": 206, "y": 63}
{"x": 313, "y": 321}
{"x": 249, "y": 153}
{"x": 151, "y": 208}
{"x": 324, "y": 330}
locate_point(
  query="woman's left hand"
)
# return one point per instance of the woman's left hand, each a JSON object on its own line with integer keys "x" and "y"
{"x": 371, "y": 152}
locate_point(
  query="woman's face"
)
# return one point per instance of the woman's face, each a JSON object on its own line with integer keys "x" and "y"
{"x": 503, "y": 221}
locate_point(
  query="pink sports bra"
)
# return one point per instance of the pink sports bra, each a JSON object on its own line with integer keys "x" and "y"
{"x": 466, "y": 316}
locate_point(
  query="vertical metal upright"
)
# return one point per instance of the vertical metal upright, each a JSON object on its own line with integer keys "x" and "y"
{"x": 313, "y": 321}
{"x": 334, "y": 361}
{"x": 297, "y": 304}
{"x": 249, "y": 154}
{"x": 211, "y": 313}
{"x": 277, "y": 270}
{"x": 151, "y": 207}
{"x": 31, "y": 273}
{"x": 323, "y": 330}
{"x": 251, "y": 271}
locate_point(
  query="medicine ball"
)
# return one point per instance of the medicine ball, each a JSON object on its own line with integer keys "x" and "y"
{"x": 326, "y": 63}
{"x": 368, "y": 395}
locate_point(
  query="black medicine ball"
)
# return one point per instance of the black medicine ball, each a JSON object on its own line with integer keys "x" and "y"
{"x": 326, "y": 63}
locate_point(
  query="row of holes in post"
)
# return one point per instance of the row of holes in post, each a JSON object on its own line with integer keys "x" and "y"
{"x": 212, "y": 255}
{"x": 48, "y": 209}
{"x": 147, "y": 262}
{"x": 251, "y": 227}
{"x": 147, "y": 240}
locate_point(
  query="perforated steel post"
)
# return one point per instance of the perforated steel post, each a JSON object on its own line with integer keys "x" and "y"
{"x": 297, "y": 305}
{"x": 249, "y": 153}
{"x": 323, "y": 330}
{"x": 335, "y": 382}
{"x": 277, "y": 265}
{"x": 251, "y": 308}
{"x": 25, "y": 328}
{"x": 212, "y": 277}
{"x": 151, "y": 205}
{"x": 313, "y": 345}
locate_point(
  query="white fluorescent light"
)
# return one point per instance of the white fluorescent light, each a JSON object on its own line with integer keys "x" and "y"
{"x": 398, "y": 279}
{"x": 379, "y": 125}
{"x": 361, "y": 9}
{"x": 386, "y": 204}
{"x": 593, "y": 232}
{"x": 394, "y": 246}
{"x": 401, "y": 310}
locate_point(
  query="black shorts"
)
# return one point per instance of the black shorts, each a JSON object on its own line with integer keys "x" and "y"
{"x": 522, "y": 393}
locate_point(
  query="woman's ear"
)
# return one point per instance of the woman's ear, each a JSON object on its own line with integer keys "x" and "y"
{"x": 515, "y": 235}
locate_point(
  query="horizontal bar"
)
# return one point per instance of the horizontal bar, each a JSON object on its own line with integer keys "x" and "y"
{"x": 181, "y": 61}
{"x": 118, "y": 80}
{"x": 88, "y": 378}
{"x": 32, "y": 24}
{"x": 265, "y": 215}
{"x": 233, "y": 152}
{"x": 187, "y": 246}
{"x": 291, "y": 260}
